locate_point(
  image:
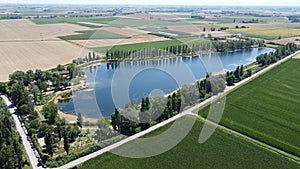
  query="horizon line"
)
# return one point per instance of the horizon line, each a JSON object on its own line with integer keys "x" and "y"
{"x": 193, "y": 5}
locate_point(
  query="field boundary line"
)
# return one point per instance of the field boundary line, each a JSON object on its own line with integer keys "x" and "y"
{"x": 252, "y": 140}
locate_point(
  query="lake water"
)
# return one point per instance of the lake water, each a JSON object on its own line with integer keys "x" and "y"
{"x": 115, "y": 84}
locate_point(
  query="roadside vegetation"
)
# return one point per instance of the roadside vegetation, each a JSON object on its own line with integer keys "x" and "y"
{"x": 12, "y": 153}
{"x": 64, "y": 142}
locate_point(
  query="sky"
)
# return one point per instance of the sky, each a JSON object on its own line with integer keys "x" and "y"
{"x": 165, "y": 2}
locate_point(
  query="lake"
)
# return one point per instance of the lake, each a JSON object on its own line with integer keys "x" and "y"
{"x": 115, "y": 84}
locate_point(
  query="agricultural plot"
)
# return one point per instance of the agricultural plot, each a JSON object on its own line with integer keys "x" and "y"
{"x": 156, "y": 44}
{"x": 111, "y": 21}
{"x": 284, "y": 41}
{"x": 94, "y": 43}
{"x": 130, "y": 22}
{"x": 269, "y": 33}
{"x": 22, "y": 30}
{"x": 125, "y": 31}
{"x": 25, "y": 45}
{"x": 93, "y": 34}
{"x": 267, "y": 108}
{"x": 197, "y": 29}
{"x": 36, "y": 55}
{"x": 99, "y": 20}
{"x": 222, "y": 150}
{"x": 239, "y": 19}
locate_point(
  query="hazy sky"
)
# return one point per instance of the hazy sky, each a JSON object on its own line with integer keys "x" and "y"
{"x": 166, "y": 2}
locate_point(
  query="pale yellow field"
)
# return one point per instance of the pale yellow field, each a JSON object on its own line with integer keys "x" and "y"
{"x": 25, "y": 30}
{"x": 198, "y": 29}
{"x": 112, "y": 42}
{"x": 288, "y": 40}
{"x": 25, "y": 45}
{"x": 36, "y": 55}
{"x": 125, "y": 31}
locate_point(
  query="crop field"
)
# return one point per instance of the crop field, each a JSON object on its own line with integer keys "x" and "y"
{"x": 13, "y": 30}
{"x": 93, "y": 34}
{"x": 197, "y": 29}
{"x": 95, "y": 43}
{"x": 101, "y": 20}
{"x": 125, "y": 31}
{"x": 238, "y": 19}
{"x": 111, "y": 21}
{"x": 156, "y": 44}
{"x": 268, "y": 33}
{"x": 25, "y": 45}
{"x": 267, "y": 108}
{"x": 36, "y": 55}
{"x": 288, "y": 40}
{"x": 222, "y": 150}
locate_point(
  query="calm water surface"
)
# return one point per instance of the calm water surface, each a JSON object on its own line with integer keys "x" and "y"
{"x": 114, "y": 85}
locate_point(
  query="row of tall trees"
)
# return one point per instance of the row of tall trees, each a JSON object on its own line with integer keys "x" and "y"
{"x": 135, "y": 118}
{"x": 232, "y": 45}
{"x": 273, "y": 57}
{"x": 11, "y": 154}
{"x": 152, "y": 110}
{"x": 91, "y": 56}
{"x": 237, "y": 75}
{"x": 183, "y": 49}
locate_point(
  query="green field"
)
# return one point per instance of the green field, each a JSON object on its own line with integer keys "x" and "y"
{"x": 222, "y": 150}
{"x": 268, "y": 33}
{"x": 93, "y": 34}
{"x": 267, "y": 108}
{"x": 239, "y": 19}
{"x": 102, "y": 20}
{"x": 156, "y": 44}
{"x": 112, "y": 21}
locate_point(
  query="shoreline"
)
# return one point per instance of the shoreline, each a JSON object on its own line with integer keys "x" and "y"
{"x": 100, "y": 62}
{"x": 165, "y": 95}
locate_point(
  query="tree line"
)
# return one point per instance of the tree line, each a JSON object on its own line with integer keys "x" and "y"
{"x": 135, "y": 118}
{"x": 280, "y": 52}
{"x": 232, "y": 45}
{"x": 11, "y": 153}
{"x": 181, "y": 50}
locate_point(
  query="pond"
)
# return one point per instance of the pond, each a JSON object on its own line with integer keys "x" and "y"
{"x": 115, "y": 84}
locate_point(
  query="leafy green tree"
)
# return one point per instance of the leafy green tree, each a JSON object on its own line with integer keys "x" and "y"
{"x": 66, "y": 144}
{"x": 79, "y": 120}
{"x": 17, "y": 92}
{"x": 17, "y": 76}
{"x": 60, "y": 67}
{"x": 50, "y": 112}
{"x": 29, "y": 77}
{"x": 3, "y": 87}
{"x": 39, "y": 75}
{"x": 36, "y": 93}
{"x": 50, "y": 141}
{"x": 242, "y": 71}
